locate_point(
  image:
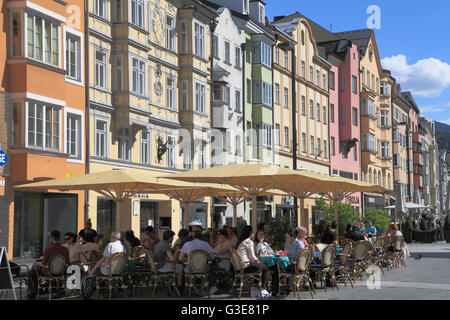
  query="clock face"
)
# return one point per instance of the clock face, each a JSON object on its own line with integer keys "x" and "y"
{"x": 158, "y": 25}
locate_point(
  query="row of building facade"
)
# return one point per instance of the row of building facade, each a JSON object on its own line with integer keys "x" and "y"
{"x": 173, "y": 85}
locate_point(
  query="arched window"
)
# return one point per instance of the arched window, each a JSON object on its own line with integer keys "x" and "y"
{"x": 370, "y": 175}
{"x": 379, "y": 177}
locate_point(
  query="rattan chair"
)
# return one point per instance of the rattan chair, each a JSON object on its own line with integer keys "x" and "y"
{"x": 140, "y": 278}
{"x": 197, "y": 270}
{"x": 20, "y": 277}
{"x": 55, "y": 276}
{"x": 378, "y": 253}
{"x": 299, "y": 275}
{"x": 116, "y": 274}
{"x": 241, "y": 276}
{"x": 342, "y": 267}
{"x": 159, "y": 279}
{"x": 398, "y": 244}
{"x": 327, "y": 257}
{"x": 359, "y": 261}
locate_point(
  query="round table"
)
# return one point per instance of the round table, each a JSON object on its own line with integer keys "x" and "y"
{"x": 271, "y": 261}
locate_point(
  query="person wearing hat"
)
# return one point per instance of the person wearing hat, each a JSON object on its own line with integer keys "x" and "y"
{"x": 53, "y": 249}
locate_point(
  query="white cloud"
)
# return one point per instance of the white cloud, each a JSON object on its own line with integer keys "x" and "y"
{"x": 427, "y": 78}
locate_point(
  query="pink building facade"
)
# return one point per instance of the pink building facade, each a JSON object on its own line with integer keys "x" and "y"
{"x": 345, "y": 116}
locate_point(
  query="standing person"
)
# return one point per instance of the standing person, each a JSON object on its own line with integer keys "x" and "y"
{"x": 114, "y": 246}
{"x": 329, "y": 235}
{"x": 87, "y": 229}
{"x": 151, "y": 240}
{"x": 52, "y": 250}
{"x": 246, "y": 249}
{"x": 301, "y": 231}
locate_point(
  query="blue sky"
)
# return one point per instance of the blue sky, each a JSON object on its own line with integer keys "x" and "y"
{"x": 413, "y": 41}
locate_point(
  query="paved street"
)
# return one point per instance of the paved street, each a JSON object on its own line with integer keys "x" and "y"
{"x": 426, "y": 278}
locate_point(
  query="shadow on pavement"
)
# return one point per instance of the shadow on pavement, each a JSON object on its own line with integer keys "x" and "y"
{"x": 431, "y": 255}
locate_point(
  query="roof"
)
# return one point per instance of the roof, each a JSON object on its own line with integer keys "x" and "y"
{"x": 359, "y": 37}
{"x": 409, "y": 97}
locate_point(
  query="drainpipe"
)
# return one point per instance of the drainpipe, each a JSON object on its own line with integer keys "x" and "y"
{"x": 87, "y": 111}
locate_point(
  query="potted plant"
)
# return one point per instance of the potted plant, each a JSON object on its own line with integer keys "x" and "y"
{"x": 447, "y": 228}
{"x": 408, "y": 229}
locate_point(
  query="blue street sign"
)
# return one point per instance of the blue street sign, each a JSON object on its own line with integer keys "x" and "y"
{"x": 3, "y": 158}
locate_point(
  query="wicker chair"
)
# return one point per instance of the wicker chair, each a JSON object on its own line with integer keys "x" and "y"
{"x": 359, "y": 259}
{"x": 343, "y": 266}
{"x": 241, "y": 276}
{"x": 56, "y": 274}
{"x": 160, "y": 279}
{"x": 328, "y": 255}
{"x": 140, "y": 278}
{"x": 198, "y": 269}
{"x": 300, "y": 274}
{"x": 398, "y": 244}
{"x": 21, "y": 277}
{"x": 116, "y": 267}
{"x": 378, "y": 253}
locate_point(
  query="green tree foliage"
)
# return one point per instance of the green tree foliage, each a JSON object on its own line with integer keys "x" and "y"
{"x": 346, "y": 214}
{"x": 379, "y": 218}
{"x": 276, "y": 232}
{"x": 423, "y": 224}
{"x": 408, "y": 225}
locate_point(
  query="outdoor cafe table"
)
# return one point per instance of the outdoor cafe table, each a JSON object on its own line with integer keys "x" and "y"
{"x": 271, "y": 261}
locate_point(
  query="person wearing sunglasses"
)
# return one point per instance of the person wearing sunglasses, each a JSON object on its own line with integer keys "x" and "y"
{"x": 70, "y": 242}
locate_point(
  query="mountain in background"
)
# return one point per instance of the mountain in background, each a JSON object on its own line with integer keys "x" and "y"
{"x": 443, "y": 135}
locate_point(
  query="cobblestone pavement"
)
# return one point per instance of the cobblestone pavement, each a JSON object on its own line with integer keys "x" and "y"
{"x": 426, "y": 278}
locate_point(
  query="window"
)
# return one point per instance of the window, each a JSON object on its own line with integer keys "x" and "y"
{"x": 138, "y": 71}
{"x": 73, "y": 136}
{"x": 200, "y": 97}
{"x": 286, "y": 137}
{"x": 100, "y": 69}
{"x": 368, "y": 79}
{"x": 101, "y": 138}
{"x": 324, "y": 113}
{"x": 118, "y": 73}
{"x": 396, "y": 159}
{"x": 202, "y": 155}
{"x": 331, "y": 80}
{"x": 369, "y": 142}
{"x": 266, "y": 135}
{"x": 312, "y": 145}
{"x": 184, "y": 41}
{"x": 355, "y": 153}
{"x": 324, "y": 82}
{"x": 319, "y": 148}
{"x": 277, "y": 134}
{"x": 261, "y": 14}
{"x": 170, "y": 96}
{"x": 43, "y": 130}
{"x": 73, "y": 57}
{"x": 363, "y": 75}
{"x": 249, "y": 91}
{"x": 266, "y": 93}
{"x": 237, "y": 98}
{"x": 245, "y": 3}
{"x": 170, "y": 152}
{"x": 184, "y": 96}
{"x": 16, "y": 34}
{"x": 354, "y": 85}
{"x": 42, "y": 40}
{"x": 311, "y": 74}
{"x": 286, "y": 59}
{"x": 384, "y": 89}
{"x": 266, "y": 58}
{"x": 137, "y": 13}
{"x": 187, "y": 160}
{"x": 354, "y": 116}
{"x": 318, "y": 78}
{"x": 145, "y": 147}
{"x": 332, "y": 113}
{"x": 378, "y": 88}
{"x": 384, "y": 117}
{"x": 124, "y": 147}
{"x": 303, "y": 142}
{"x": 332, "y": 146}
{"x": 303, "y": 72}
{"x": 226, "y": 94}
{"x": 286, "y": 97}
{"x": 170, "y": 33}
{"x": 277, "y": 93}
{"x": 384, "y": 149}
{"x": 368, "y": 108}
{"x": 318, "y": 112}
{"x": 311, "y": 109}
{"x": 227, "y": 52}
{"x": 276, "y": 58}
{"x": 238, "y": 145}
{"x": 100, "y": 8}
{"x": 117, "y": 11}
{"x": 199, "y": 40}
{"x": 237, "y": 57}
{"x": 303, "y": 105}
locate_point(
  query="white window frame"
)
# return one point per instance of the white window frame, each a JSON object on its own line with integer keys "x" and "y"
{"x": 98, "y": 66}
{"x": 227, "y": 51}
{"x": 118, "y": 72}
{"x": 124, "y": 144}
{"x": 170, "y": 33}
{"x": 104, "y": 6}
{"x": 199, "y": 95}
{"x": 96, "y": 141}
{"x": 138, "y": 19}
{"x": 237, "y": 57}
{"x": 171, "y": 152}
{"x": 138, "y": 76}
{"x": 68, "y": 32}
{"x": 80, "y": 136}
{"x": 199, "y": 39}
{"x": 146, "y": 144}
{"x": 171, "y": 93}
{"x": 237, "y": 99}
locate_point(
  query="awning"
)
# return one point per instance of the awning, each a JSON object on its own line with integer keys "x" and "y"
{"x": 410, "y": 205}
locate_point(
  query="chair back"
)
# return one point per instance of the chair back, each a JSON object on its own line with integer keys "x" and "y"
{"x": 151, "y": 261}
{"x": 360, "y": 249}
{"x": 236, "y": 260}
{"x": 341, "y": 241}
{"x": 310, "y": 240}
{"x": 346, "y": 251}
{"x": 398, "y": 243}
{"x": 57, "y": 265}
{"x": 328, "y": 254}
{"x": 198, "y": 261}
{"x": 378, "y": 243}
{"x": 303, "y": 260}
{"x": 138, "y": 254}
{"x": 117, "y": 263}
{"x": 321, "y": 246}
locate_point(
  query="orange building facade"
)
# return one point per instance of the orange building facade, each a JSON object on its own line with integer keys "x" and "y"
{"x": 43, "y": 87}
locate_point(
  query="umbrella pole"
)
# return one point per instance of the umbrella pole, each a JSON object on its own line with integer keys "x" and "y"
{"x": 336, "y": 217}
{"x": 234, "y": 214}
{"x": 300, "y": 211}
{"x": 254, "y": 216}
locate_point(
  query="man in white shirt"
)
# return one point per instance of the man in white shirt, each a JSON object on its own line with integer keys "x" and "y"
{"x": 198, "y": 244}
{"x": 114, "y": 246}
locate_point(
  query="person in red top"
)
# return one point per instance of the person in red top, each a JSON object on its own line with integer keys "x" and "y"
{"x": 54, "y": 248}
{"x": 301, "y": 235}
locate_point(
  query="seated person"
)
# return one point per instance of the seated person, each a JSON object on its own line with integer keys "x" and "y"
{"x": 163, "y": 252}
{"x": 371, "y": 230}
{"x": 182, "y": 234}
{"x": 193, "y": 229}
{"x": 52, "y": 250}
{"x": 329, "y": 236}
{"x": 222, "y": 249}
{"x": 262, "y": 248}
{"x": 72, "y": 245}
{"x": 354, "y": 234}
{"x": 114, "y": 246}
{"x": 151, "y": 240}
{"x": 301, "y": 231}
{"x": 293, "y": 246}
{"x": 89, "y": 248}
{"x": 131, "y": 238}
